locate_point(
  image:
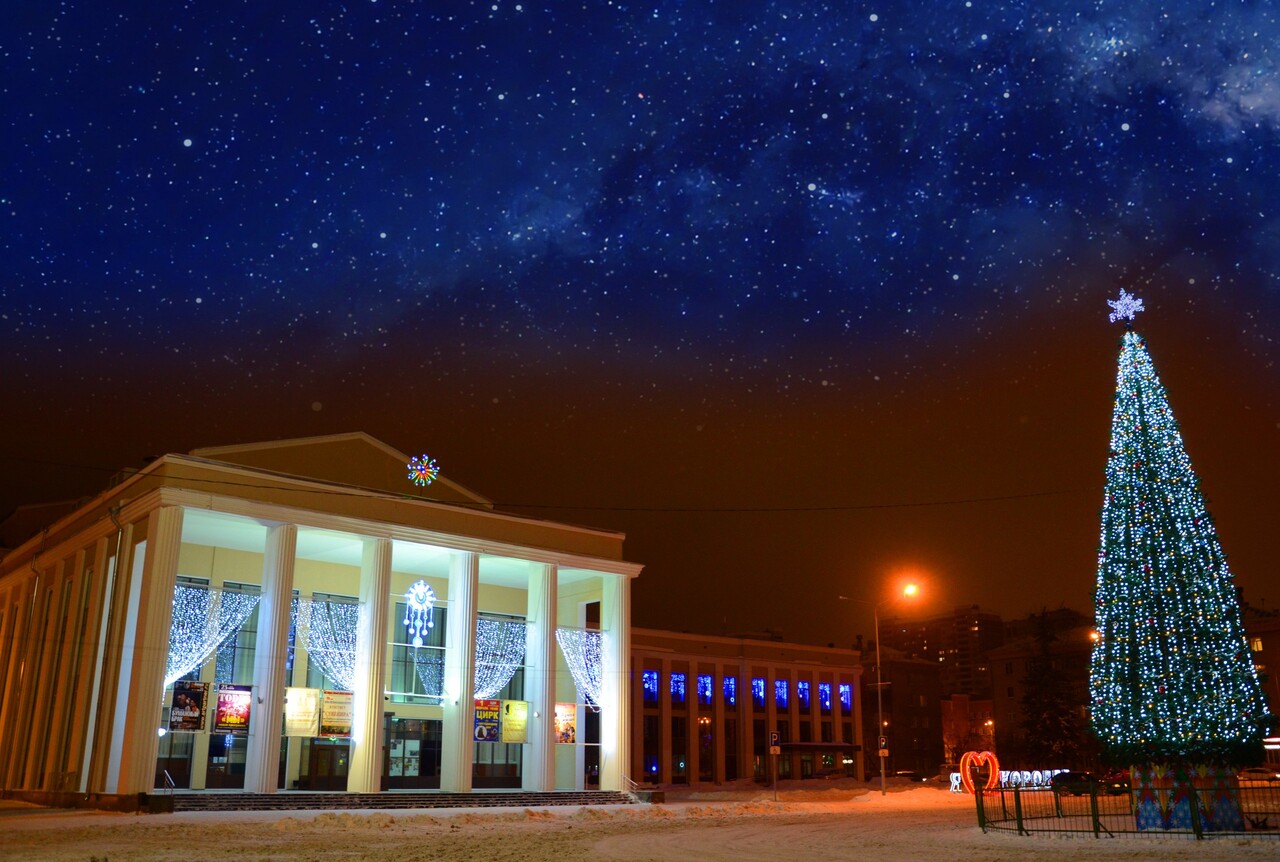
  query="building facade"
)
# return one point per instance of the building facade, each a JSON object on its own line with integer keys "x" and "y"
{"x": 297, "y": 614}
{"x": 704, "y": 709}
{"x": 957, "y": 641}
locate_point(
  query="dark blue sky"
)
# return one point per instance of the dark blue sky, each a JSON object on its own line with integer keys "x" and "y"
{"x": 708, "y": 255}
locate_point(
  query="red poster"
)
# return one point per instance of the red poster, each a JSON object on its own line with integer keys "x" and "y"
{"x": 232, "y": 712}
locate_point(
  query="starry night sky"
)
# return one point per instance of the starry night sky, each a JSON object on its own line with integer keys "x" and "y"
{"x": 799, "y": 295}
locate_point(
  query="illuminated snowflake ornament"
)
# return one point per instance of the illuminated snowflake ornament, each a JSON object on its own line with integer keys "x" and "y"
{"x": 1126, "y": 307}
{"x": 423, "y": 470}
{"x": 420, "y": 602}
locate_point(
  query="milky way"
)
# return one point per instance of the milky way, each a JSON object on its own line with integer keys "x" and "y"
{"x": 746, "y": 197}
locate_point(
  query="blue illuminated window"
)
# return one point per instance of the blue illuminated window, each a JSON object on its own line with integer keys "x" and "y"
{"x": 757, "y": 691}
{"x": 677, "y": 688}
{"x": 729, "y": 685}
{"x": 705, "y": 681}
{"x": 649, "y": 679}
{"x": 846, "y": 696}
{"x": 780, "y": 693}
{"x": 824, "y": 696}
{"x": 802, "y": 694}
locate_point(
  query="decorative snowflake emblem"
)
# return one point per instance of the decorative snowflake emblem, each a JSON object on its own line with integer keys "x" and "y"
{"x": 1125, "y": 307}
{"x": 419, "y": 606}
{"x": 423, "y": 470}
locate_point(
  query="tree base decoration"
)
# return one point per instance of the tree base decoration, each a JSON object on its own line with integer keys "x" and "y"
{"x": 1163, "y": 798}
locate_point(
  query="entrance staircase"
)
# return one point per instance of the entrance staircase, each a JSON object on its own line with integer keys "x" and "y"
{"x": 307, "y": 801}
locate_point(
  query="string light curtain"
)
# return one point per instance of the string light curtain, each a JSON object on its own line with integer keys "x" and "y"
{"x": 500, "y": 646}
{"x": 1172, "y": 677}
{"x": 327, "y": 631}
{"x": 583, "y": 651}
{"x": 203, "y": 619}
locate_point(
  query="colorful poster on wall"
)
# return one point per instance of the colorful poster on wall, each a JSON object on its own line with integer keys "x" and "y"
{"x": 186, "y": 715}
{"x": 488, "y": 716}
{"x": 337, "y": 709}
{"x": 231, "y": 715}
{"x": 566, "y": 722}
{"x": 515, "y": 721}
{"x": 301, "y": 711}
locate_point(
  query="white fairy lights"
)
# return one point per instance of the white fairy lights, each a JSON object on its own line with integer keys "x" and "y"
{"x": 327, "y": 631}
{"x": 499, "y": 652}
{"x": 583, "y": 651}
{"x": 203, "y": 619}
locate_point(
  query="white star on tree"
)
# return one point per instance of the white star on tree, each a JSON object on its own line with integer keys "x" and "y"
{"x": 1125, "y": 307}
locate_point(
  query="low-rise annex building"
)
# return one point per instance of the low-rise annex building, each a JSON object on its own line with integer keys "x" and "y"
{"x": 708, "y": 710}
{"x": 297, "y": 614}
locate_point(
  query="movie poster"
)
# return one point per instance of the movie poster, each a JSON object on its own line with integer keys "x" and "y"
{"x": 232, "y": 712}
{"x": 301, "y": 712}
{"x": 515, "y": 721}
{"x": 186, "y": 715}
{"x": 488, "y": 715}
{"x": 337, "y": 710}
{"x": 566, "y": 722}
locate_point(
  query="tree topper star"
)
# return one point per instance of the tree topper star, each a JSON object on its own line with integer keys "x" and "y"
{"x": 1125, "y": 307}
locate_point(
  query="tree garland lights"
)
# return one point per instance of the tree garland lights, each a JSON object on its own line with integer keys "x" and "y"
{"x": 203, "y": 619}
{"x": 583, "y": 652}
{"x": 1172, "y": 677}
{"x": 327, "y": 631}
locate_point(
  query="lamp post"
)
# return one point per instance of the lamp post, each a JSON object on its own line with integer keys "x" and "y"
{"x": 908, "y": 591}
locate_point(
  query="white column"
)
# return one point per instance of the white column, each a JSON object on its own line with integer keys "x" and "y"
{"x": 365, "y": 772}
{"x": 459, "y": 742}
{"x": 271, "y": 647}
{"x": 615, "y": 687}
{"x": 145, "y": 652}
{"x": 539, "y": 771}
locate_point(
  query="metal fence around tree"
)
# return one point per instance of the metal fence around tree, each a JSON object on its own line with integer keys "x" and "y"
{"x": 1032, "y": 810}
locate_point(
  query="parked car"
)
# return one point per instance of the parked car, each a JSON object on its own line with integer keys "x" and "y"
{"x": 910, "y": 775}
{"x": 1086, "y": 783}
{"x": 1257, "y": 776}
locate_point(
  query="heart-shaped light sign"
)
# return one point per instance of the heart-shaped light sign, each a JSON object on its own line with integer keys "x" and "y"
{"x": 971, "y": 759}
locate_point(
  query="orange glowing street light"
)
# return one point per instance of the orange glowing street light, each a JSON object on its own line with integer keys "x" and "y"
{"x": 909, "y": 590}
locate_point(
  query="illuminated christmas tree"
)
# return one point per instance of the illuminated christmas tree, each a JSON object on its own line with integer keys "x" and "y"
{"x": 1172, "y": 678}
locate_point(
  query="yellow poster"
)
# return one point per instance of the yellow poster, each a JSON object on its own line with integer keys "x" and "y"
{"x": 515, "y": 721}
{"x": 301, "y": 711}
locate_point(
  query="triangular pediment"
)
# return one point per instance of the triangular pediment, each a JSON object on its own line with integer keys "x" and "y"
{"x": 353, "y": 458}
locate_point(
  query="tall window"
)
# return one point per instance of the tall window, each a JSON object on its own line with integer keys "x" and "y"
{"x": 729, "y": 685}
{"x": 677, "y": 687}
{"x": 417, "y": 673}
{"x": 705, "y": 687}
{"x": 649, "y": 681}
{"x": 235, "y": 656}
{"x": 824, "y": 697}
{"x": 757, "y": 692}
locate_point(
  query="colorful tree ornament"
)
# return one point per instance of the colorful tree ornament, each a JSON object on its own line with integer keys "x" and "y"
{"x": 420, "y": 602}
{"x": 1172, "y": 678}
{"x": 423, "y": 470}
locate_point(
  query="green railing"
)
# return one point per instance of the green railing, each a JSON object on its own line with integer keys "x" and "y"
{"x": 1031, "y": 810}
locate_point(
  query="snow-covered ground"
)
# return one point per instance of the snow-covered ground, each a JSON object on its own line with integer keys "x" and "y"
{"x": 835, "y": 821}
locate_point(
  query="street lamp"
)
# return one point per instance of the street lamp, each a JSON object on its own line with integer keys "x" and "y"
{"x": 908, "y": 591}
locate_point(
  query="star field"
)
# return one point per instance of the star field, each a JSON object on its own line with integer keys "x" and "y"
{"x": 374, "y": 213}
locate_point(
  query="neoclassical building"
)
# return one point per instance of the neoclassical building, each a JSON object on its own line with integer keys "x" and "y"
{"x": 298, "y": 614}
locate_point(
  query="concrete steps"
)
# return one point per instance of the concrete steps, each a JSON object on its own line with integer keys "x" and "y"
{"x": 305, "y": 801}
